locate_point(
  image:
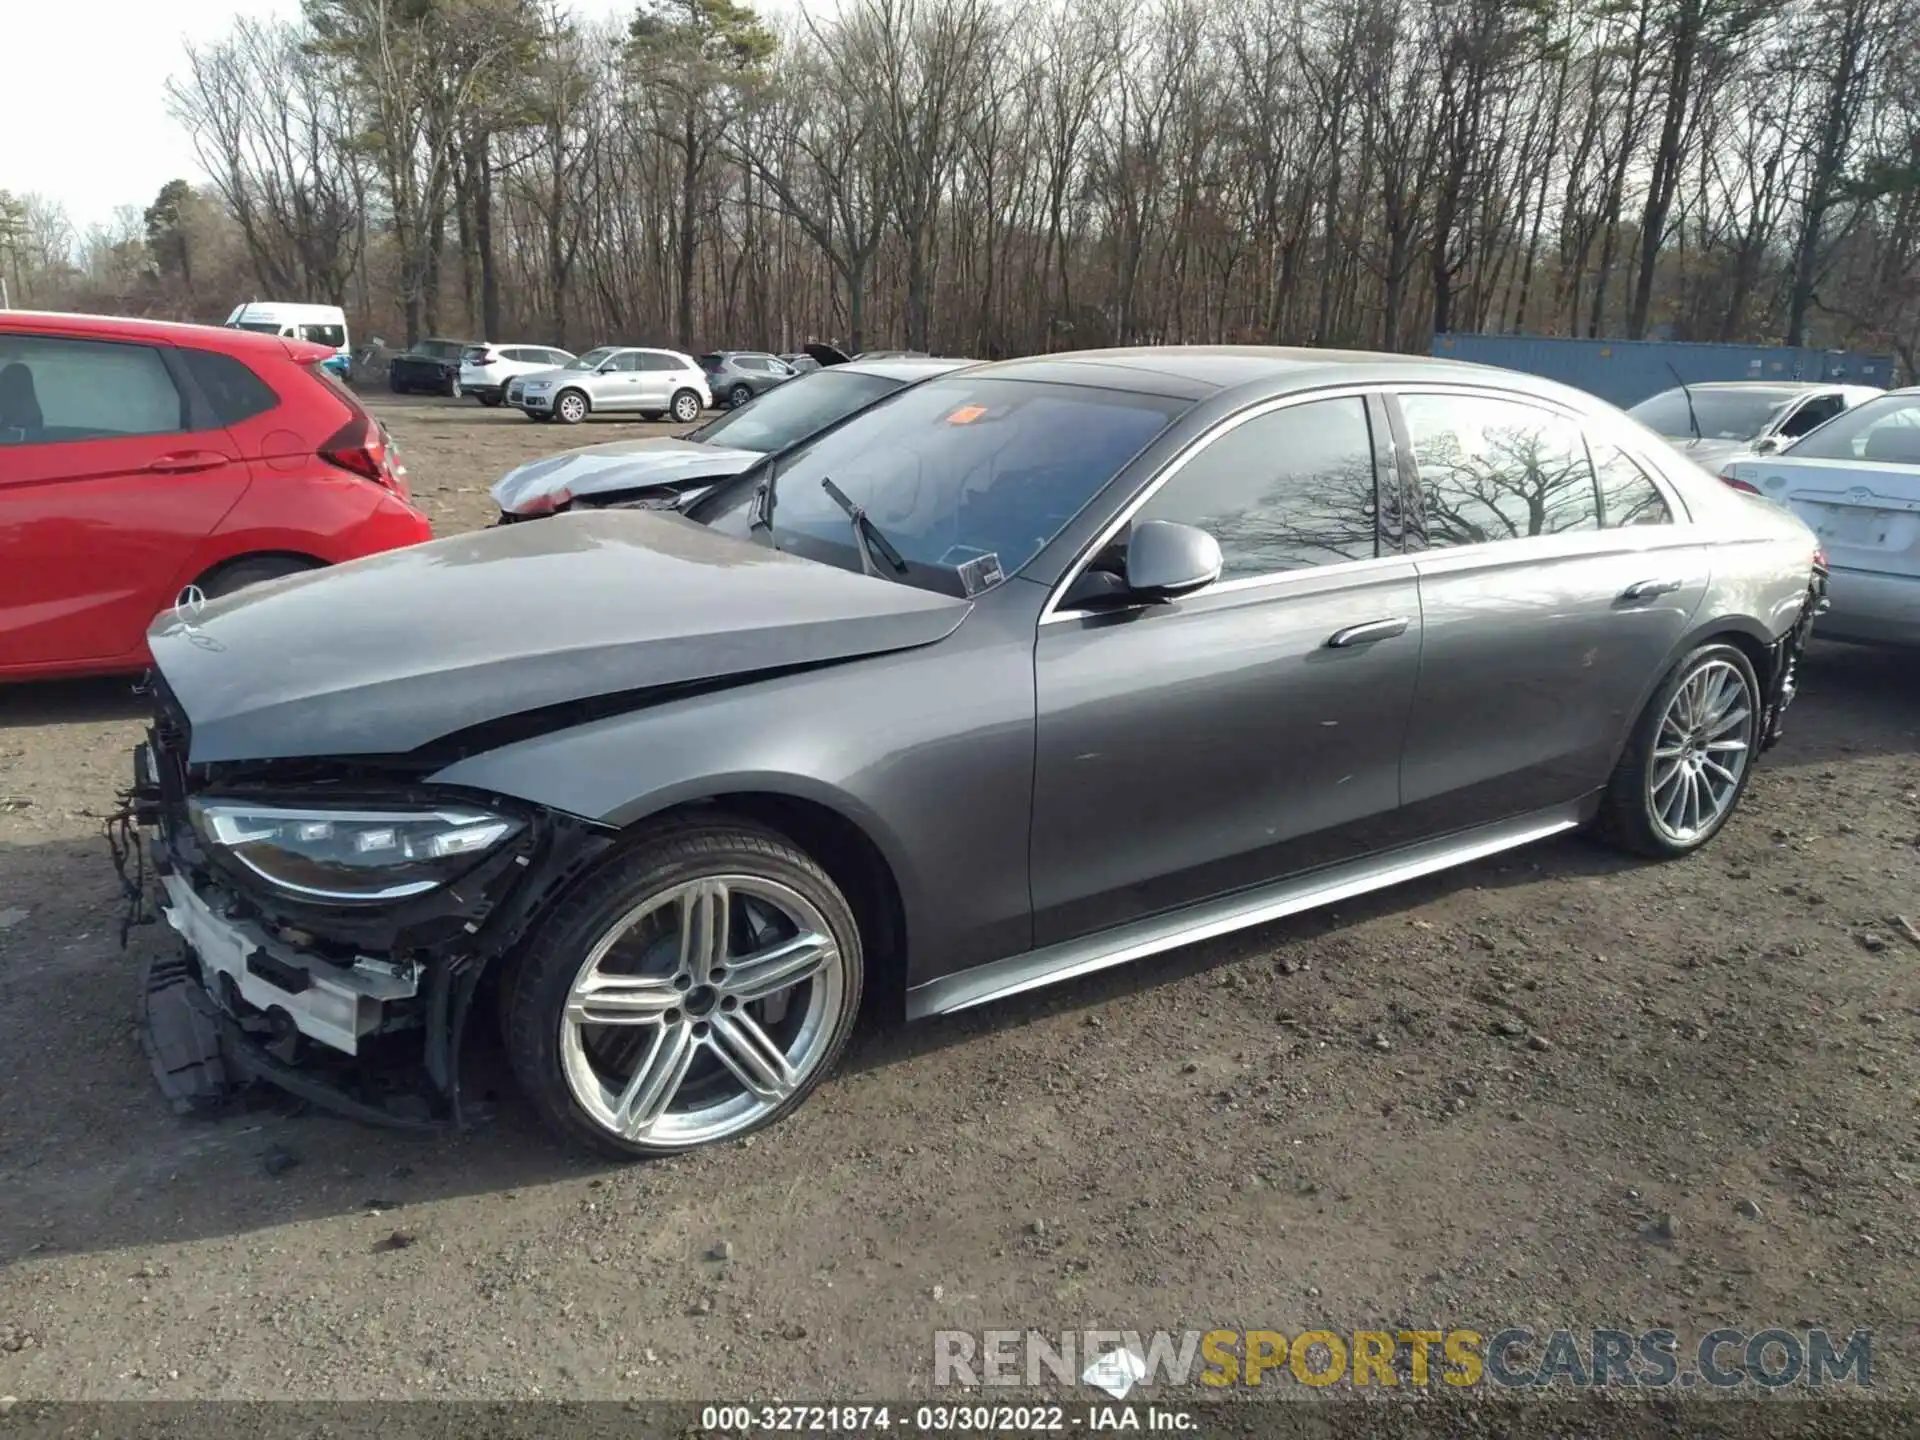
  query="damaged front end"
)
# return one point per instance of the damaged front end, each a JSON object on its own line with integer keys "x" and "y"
{"x": 335, "y": 921}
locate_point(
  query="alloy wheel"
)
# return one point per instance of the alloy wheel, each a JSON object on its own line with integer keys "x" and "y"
{"x": 572, "y": 409}
{"x": 686, "y": 407}
{"x": 1700, "y": 752}
{"x": 702, "y": 1010}
{"x": 739, "y": 396}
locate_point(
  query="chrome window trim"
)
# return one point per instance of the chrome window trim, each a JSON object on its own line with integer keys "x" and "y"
{"x": 1050, "y": 613}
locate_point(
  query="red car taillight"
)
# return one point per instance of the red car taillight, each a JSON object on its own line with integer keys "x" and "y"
{"x": 360, "y": 447}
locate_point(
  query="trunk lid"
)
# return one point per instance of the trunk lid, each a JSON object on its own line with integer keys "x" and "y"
{"x": 1867, "y": 514}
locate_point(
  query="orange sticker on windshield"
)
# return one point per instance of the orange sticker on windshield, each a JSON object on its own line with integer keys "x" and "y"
{"x": 966, "y": 414}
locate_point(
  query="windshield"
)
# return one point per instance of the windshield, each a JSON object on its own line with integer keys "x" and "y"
{"x": 791, "y": 413}
{"x": 953, "y": 472}
{"x": 593, "y": 359}
{"x": 258, "y": 327}
{"x": 1724, "y": 414}
{"x": 1886, "y": 430}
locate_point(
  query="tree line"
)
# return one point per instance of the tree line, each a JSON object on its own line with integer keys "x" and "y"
{"x": 998, "y": 177}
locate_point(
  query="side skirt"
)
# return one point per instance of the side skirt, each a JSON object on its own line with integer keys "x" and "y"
{"x": 1221, "y": 916}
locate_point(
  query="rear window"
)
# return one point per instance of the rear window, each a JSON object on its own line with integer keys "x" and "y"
{"x": 334, "y": 335}
{"x": 259, "y": 327}
{"x": 711, "y": 363}
{"x": 1885, "y": 430}
{"x": 477, "y": 355}
{"x": 234, "y": 391}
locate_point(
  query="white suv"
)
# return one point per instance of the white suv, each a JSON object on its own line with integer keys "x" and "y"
{"x": 615, "y": 379}
{"x": 486, "y": 369}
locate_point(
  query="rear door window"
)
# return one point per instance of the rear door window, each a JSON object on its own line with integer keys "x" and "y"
{"x": 1494, "y": 469}
{"x": 56, "y": 390}
{"x": 233, "y": 391}
{"x": 1627, "y": 493}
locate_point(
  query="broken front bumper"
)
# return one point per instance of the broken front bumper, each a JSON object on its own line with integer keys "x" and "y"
{"x": 362, "y": 1011}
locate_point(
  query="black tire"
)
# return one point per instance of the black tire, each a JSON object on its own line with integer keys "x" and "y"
{"x": 396, "y": 385}
{"x": 534, "y": 991}
{"x": 570, "y": 407}
{"x": 490, "y": 401}
{"x": 1627, "y": 818}
{"x": 651, "y": 416}
{"x": 545, "y": 417}
{"x": 255, "y": 570}
{"x": 738, "y": 396}
{"x": 686, "y": 406}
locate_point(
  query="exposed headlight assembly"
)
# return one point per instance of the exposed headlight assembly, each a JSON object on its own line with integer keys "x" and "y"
{"x": 351, "y": 855}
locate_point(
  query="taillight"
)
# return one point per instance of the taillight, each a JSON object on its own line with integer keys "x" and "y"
{"x": 360, "y": 447}
{"x": 1819, "y": 557}
{"x": 1740, "y": 485}
{"x": 545, "y": 503}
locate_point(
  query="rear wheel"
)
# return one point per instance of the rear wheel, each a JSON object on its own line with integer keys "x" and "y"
{"x": 694, "y": 993}
{"x": 396, "y": 384}
{"x": 489, "y": 400}
{"x": 1690, "y": 756}
{"x": 251, "y": 570}
{"x": 738, "y": 396}
{"x": 686, "y": 406}
{"x": 570, "y": 406}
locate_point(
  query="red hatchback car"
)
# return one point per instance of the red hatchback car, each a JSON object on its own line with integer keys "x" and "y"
{"x": 138, "y": 458}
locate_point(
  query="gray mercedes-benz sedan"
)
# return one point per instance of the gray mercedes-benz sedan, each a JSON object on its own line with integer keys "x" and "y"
{"x": 1030, "y": 669}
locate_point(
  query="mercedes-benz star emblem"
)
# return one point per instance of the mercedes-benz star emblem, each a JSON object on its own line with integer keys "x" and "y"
{"x": 186, "y": 610}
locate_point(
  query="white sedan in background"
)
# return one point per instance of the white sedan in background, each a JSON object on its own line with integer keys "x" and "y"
{"x": 1856, "y": 481}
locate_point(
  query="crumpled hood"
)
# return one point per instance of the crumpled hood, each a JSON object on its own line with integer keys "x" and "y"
{"x": 537, "y": 486}
{"x": 381, "y": 655}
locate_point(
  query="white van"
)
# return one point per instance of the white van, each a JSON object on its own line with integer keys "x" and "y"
{"x": 321, "y": 324}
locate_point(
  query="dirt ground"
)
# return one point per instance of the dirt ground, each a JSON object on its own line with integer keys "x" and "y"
{"x": 1704, "y": 1115}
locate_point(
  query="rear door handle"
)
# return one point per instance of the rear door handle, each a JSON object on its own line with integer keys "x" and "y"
{"x": 1647, "y": 589}
{"x": 184, "y": 461}
{"x": 1367, "y": 633}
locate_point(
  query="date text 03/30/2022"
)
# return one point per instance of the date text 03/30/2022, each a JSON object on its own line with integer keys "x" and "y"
{"x": 941, "y": 1419}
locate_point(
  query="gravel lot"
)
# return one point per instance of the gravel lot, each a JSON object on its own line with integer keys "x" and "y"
{"x": 1556, "y": 1088}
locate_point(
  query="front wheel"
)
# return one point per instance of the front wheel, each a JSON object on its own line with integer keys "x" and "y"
{"x": 693, "y": 993}
{"x": 490, "y": 401}
{"x": 686, "y": 407}
{"x": 1689, "y": 758}
{"x": 571, "y": 407}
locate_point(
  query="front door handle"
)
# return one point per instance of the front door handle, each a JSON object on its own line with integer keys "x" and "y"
{"x": 1647, "y": 589}
{"x": 185, "y": 461}
{"x": 1367, "y": 633}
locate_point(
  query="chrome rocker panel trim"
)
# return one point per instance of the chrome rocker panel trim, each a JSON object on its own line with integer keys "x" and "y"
{"x": 1053, "y": 963}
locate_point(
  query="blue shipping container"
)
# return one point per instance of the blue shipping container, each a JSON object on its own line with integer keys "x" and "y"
{"x": 1628, "y": 371}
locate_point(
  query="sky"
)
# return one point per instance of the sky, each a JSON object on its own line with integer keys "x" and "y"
{"x": 104, "y": 137}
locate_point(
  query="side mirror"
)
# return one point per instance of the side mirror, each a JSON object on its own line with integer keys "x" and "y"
{"x": 1166, "y": 560}
{"x": 1769, "y": 445}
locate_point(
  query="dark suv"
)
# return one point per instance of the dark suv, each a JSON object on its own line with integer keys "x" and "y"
{"x": 432, "y": 366}
{"x": 736, "y": 376}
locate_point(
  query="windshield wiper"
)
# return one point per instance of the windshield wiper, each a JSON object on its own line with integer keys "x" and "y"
{"x": 1692, "y": 418}
{"x": 866, "y": 535}
{"x": 763, "y": 498}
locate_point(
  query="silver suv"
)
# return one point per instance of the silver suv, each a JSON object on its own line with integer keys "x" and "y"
{"x": 615, "y": 379}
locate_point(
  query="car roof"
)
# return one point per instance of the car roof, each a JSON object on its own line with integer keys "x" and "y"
{"x": 1196, "y": 372}
{"x": 906, "y": 368}
{"x": 125, "y": 327}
